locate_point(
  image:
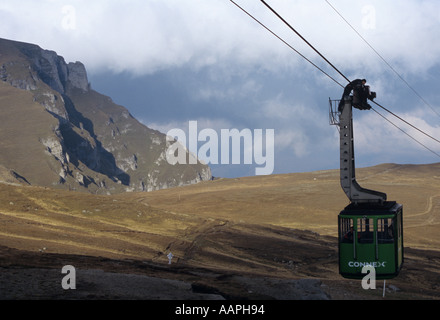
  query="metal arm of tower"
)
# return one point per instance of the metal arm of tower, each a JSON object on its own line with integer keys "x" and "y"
{"x": 355, "y": 193}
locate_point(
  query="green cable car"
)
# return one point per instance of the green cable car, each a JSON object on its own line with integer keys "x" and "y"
{"x": 370, "y": 228}
{"x": 371, "y": 235}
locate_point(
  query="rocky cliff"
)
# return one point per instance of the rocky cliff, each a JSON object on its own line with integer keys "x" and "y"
{"x": 58, "y": 132}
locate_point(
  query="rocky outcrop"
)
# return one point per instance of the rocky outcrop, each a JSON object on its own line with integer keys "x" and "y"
{"x": 53, "y": 70}
{"x": 77, "y": 76}
{"x": 96, "y": 145}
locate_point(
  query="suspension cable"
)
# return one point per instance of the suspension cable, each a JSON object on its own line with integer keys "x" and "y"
{"x": 255, "y": 19}
{"x": 423, "y": 145}
{"x": 308, "y": 43}
{"x": 286, "y": 43}
{"x": 400, "y": 118}
{"x": 381, "y": 57}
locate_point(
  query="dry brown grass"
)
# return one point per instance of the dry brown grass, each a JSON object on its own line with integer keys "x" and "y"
{"x": 311, "y": 201}
{"x": 229, "y": 226}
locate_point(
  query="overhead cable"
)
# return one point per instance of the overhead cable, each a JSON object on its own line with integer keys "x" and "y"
{"x": 423, "y": 145}
{"x": 308, "y": 43}
{"x": 334, "y": 69}
{"x": 383, "y": 59}
{"x": 286, "y": 43}
{"x": 400, "y": 118}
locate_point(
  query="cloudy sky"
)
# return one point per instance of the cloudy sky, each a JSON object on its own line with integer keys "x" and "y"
{"x": 174, "y": 61}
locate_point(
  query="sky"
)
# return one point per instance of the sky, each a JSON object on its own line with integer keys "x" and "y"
{"x": 176, "y": 62}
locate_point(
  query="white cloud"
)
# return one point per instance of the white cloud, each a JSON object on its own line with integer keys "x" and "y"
{"x": 294, "y": 141}
{"x": 144, "y": 36}
{"x": 202, "y": 123}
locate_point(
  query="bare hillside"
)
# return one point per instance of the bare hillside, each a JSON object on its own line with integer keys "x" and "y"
{"x": 312, "y": 201}
{"x": 258, "y": 238}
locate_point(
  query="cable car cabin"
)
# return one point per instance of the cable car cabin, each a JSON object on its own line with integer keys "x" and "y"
{"x": 370, "y": 228}
{"x": 371, "y": 235}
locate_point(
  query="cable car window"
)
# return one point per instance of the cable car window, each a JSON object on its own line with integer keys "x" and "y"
{"x": 346, "y": 230}
{"x": 365, "y": 229}
{"x": 385, "y": 230}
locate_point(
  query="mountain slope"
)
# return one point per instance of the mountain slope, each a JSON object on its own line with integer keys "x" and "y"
{"x": 242, "y": 238}
{"x": 311, "y": 200}
{"x": 59, "y": 132}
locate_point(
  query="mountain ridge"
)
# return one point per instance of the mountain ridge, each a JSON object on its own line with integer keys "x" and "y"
{"x": 80, "y": 139}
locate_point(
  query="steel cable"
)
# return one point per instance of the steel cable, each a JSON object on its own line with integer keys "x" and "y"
{"x": 325, "y": 59}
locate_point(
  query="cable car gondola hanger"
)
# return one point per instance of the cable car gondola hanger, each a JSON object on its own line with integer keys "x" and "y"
{"x": 370, "y": 228}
